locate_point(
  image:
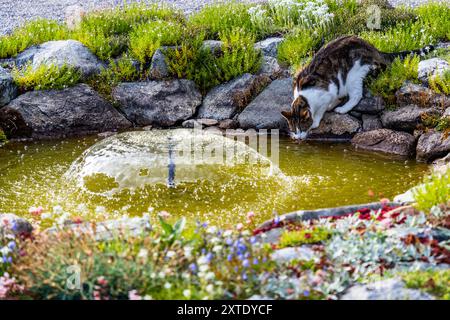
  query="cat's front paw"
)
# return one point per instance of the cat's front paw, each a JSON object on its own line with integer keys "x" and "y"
{"x": 340, "y": 110}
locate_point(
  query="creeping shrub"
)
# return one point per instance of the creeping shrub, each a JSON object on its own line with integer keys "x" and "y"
{"x": 433, "y": 282}
{"x": 440, "y": 83}
{"x": 120, "y": 70}
{"x": 147, "y": 38}
{"x": 436, "y": 18}
{"x": 435, "y": 191}
{"x": 45, "y": 77}
{"x": 32, "y": 33}
{"x": 390, "y": 80}
{"x": 3, "y": 138}
{"x": 215, "y": 19}
{"x": 300, "y": 237}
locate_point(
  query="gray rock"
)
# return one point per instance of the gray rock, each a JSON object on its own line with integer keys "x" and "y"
{"x": 271, "y": 68}
{"x": 296, "y": 253}
{"x": 158, "y": 103}
{"x": 371, "y": 122}
{"x": 265, "y": 111}
{"x": 370, "y": 105}
{"x": 447, "y": 112}
{"x": 226, "y": 100}
{"x": 440, "y": 166}
{"x": 107, "y": 230}
{"x": 214, "y": 45}
{"x": 269, "y": 46}
{"x": 228, "y": 124}
{"x": 61, "y": 52}
{"x": 191, "y": 123}
{"x": 8, "y": 90}
{"x": 406, "y": 118}
{"x": 432, "y": 145}
{"x": 389, "y": 289}
{"x": 432, "y": 67}
{"x": 356, "y": 114}
{"x": 10, "y": 223}
{"x": 335, "y": 124}
{"x": 59, "y": 113}
{"x": 158, "y": 66}
{"x": 414, "y": 94}
{"x": 200, "y": 123}
{"x": 385, "y": 140}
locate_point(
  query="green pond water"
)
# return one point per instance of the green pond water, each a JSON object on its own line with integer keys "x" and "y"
{"x": 127, "y": 174}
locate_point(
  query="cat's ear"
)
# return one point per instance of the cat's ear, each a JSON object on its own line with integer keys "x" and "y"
{"x": 286, "y": 114}
{"x": 307, "y": 81}
{"x": 305, "y": 114}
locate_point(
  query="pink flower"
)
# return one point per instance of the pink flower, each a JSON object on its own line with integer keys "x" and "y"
{"x": 384, "y": 201}
{"x": 164, "y": 215}
{"x": 250, "y": 215}
{"x": 239, "y": 226}
{"x": 133, "y": 295}
{"x": 102, "y": 281}
{"x": 36, "y": 211}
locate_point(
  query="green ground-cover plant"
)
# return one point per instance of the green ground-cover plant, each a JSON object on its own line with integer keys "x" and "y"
{"x": 212, "y": 20}
{"x": 435, "y": 17}
{"x": 45, "y": 77}
{"x": 440, "y": 83}
{"x": 122, "y": 69}
{"x": 299, "y": 237}
{"x": 194, "y": 61}
{"x": 31, "y": 33}
{"x": 390, "y": 80}
{"x": 436, "y": 282}
{"x": 106, "y": 32}
{"x": 435, "y": 191}
{"x": 145, "y": 39}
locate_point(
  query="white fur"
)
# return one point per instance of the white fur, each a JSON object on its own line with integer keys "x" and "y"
{"x": 321, "y": 100}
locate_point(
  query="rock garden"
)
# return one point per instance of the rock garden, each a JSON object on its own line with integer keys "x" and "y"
{"x": 109, "y": 93}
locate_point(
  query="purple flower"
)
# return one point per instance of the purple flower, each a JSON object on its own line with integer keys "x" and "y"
{"x": 246, "y": 263}
{"x": 209, "y": 256}
{"x": 252, "y": 240}
{"x": 306, "y": 293}
{"x": 244, "y": 276}
{"x": 276, "y": 220}
{"x": 229, "y": 241}
{"x": 193, "y": 267}
{"x": 230, "y": 257}
{"x": 255, "y": 261}
{"x": 11, "y": 245}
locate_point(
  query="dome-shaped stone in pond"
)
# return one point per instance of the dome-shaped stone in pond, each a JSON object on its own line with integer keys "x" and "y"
{"x": 180, "y": 170}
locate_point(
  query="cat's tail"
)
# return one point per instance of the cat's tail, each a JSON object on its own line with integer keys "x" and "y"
{"x": 404, "y": 54}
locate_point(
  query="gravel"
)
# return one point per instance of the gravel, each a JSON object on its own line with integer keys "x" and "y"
{"x": 14, "y": 13}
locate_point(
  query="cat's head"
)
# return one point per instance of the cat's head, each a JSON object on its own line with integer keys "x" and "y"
{"x": 299, "y": 118}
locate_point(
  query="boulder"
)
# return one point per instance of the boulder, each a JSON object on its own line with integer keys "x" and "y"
{"x": 158, "y": 103}
{"x": 269, "y": 46}
{"x": 10, "y": 223}
{"x": 432, "y": 145}
{"x": 8, "y": 90}
{"x": 297, "y": 253}
{"x": 264, "y": 112}
{"x": 191, "y": 123}
{"x": 336, "y": 125}
{"x": 226, "y": 100}
{"x": 214, "y": 45}
{"x": 385, "y": 140}
{"x": 60, "y": 113}
{"x": 432, "y": 67}
{"x": 441, "y": 166}
{"x": 228, "y": 124}
{"x": 61, "y": 52}
{"x": 421, "y": 96}
{"x": 271, "y": 68}
{"x": 407, "y": 118}
{"x": 158, "y": 66}
{"x": 371, "y": 122}
{"x": 389, "y": 289}
{"x": 370, "y": 105}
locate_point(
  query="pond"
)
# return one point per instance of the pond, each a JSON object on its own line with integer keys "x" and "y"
{"x": 127, "y": 175}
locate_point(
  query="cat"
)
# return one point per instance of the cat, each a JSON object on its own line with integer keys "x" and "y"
{"x": 336, "y": 73}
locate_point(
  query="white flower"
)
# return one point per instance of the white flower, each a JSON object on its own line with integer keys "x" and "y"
{"x": 202, "y": 260}
{"x": 227, "y": 233}
{"x": 167, "y": 285}
{"x": 217, "y": 248}
{"x": 210, "y": 288}
{"x": 211, "y": 230}
{"x": 187, "y": 293}
{"x": 143, "y": 253}
{"x": 100, "y": 210}
{"x": 58, "y": 209}
{"x": 203, "y": 268}
{"x": 210, "y": 276}
{"x": 170, "y": 254}
{"x": 188, "y": 251}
